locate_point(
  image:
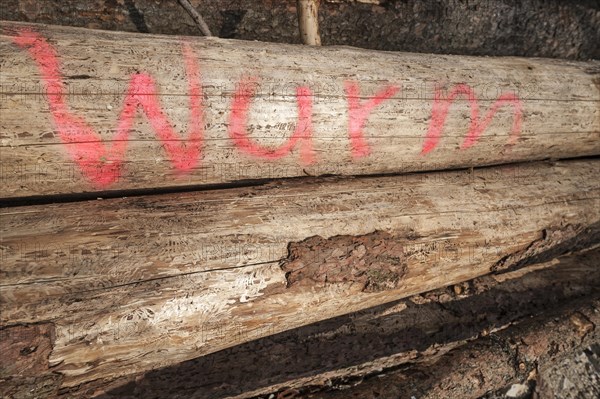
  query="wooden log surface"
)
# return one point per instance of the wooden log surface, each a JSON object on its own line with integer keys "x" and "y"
{"x": 137, "y": 283}
{"x": 86, "y": 110}
{"x": 342, "y": 351}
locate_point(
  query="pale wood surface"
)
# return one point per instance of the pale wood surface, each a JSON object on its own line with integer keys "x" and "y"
{"x": 152, "y": 281}
{"x": 308, "y": 21}
{"x": 560, "y": 108}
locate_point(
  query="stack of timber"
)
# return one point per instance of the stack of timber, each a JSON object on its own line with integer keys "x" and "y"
{"x": 254, "y": 189}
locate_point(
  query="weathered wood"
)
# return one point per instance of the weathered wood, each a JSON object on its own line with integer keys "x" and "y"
{"x": 152, "y": 281}
{"x": 263, "y": 110}
{"x": 308, "y": 21}
{"x": 345, "y": 350}
{"x": 413, "y": 333}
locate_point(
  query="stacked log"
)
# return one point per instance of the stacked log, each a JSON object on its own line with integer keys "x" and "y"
{"x": 229, "y": 252}
{"x": 164, "y": 111}
{"x": 434, "y": 334}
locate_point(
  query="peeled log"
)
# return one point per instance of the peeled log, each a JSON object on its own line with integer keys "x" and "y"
{"x": 262, "y": 110}
{"x": 134, "y": 284}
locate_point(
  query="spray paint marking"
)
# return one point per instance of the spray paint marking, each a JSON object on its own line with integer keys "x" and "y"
{"x": 302, "y": 135}
{"x": 442, "y": 105}
{"x": 102, "y": 165}
{"x": 99, "y": 163}
{"x": 358, "y": 114}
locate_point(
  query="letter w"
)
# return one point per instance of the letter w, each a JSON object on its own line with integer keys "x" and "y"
{"x": 102, "y": 165}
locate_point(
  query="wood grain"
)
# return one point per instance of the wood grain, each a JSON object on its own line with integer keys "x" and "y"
{"x": 559, "y": 100}
{"x": 138, "y": 283}
{"x": 341, "y": 351}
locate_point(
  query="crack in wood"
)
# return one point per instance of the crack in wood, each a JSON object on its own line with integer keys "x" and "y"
{"x": 553, "y": 242}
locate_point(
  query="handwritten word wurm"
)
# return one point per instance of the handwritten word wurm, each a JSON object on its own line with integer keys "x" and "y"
{"x": 101, "y": 164}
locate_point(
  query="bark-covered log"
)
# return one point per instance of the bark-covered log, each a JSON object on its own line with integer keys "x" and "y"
{"x": 89, "y": 110}
{"x": 536, "y": 28}
{"x": 138, "y": 283}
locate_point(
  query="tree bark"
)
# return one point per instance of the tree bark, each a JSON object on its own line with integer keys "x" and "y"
{"x": 536, "y": 28}
{"x": 138, "y": 283}
{"x": 86, "y": 111}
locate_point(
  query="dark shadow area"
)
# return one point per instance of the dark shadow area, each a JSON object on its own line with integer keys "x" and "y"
{"x": 231, "y": 20}
{"x": 365, "y": 336}
{"x": 552, "y": 245}
{"x": 132, "y": 192}
{"x": 136, "y": 17}
{"x": 485, "y": 368}
{"x": 536, "y": 28}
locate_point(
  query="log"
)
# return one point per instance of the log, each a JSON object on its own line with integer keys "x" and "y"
{"x": 87, "y": 111}
{"x": 133, "y": 284}
{"x": 404, "y": 338}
